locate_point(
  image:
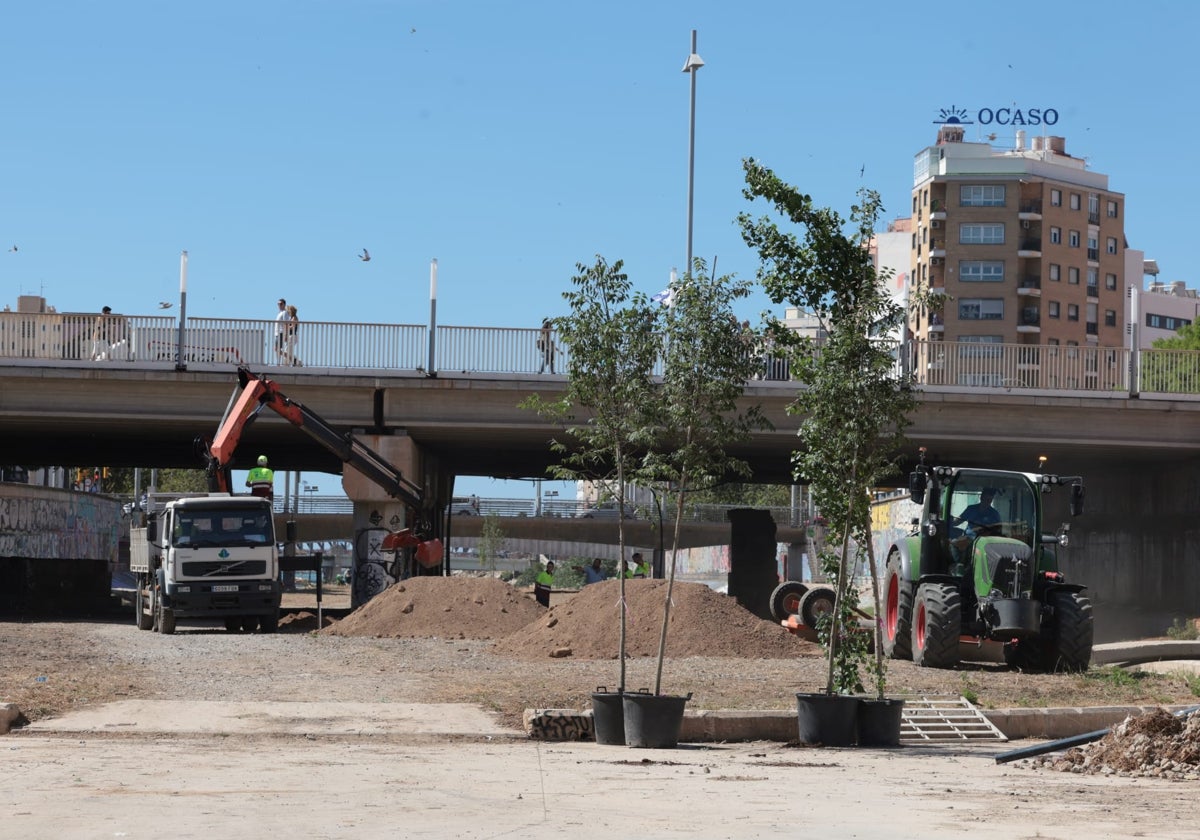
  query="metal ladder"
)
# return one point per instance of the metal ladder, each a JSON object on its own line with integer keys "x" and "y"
{"x": 944, "y": 718}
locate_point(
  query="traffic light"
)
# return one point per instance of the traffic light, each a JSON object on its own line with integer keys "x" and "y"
{"x": 104, "y": 472}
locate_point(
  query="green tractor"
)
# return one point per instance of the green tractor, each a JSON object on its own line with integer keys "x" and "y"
{"x": 979, "y": 564}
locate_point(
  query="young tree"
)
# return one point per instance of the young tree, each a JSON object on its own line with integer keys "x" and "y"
{"x": 706, "y": 364}
{"x": 491, "y": 541}
{"x": 855, "y": 403}
{"x": 609, "y": 408}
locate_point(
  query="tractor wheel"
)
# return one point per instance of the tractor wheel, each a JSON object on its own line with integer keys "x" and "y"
{"x": 785, "y": 600}
{"x": 937, "y": 623}
{"x": 140, "y": 614}
{"x": 897, "y": 611}
{"x": 1070, "y": 647}
{"x": 816, "y": 602}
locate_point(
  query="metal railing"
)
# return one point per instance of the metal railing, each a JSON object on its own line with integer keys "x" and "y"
{"x": 319, "y": 347}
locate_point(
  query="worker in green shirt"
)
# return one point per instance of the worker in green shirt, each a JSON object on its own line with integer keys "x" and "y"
{"x": 542, "y": 584}
{"x": 261, "y": 479}
{"x": 641, "y": 568}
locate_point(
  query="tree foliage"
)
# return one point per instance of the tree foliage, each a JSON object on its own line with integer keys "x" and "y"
{"x": 707, "y": 359}
{"x": 609, "y": 410}
{"x": 855, "y": 406}
{"x": 1177, "y": 369}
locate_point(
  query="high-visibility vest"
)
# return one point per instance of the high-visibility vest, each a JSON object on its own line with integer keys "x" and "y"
{"x": 260, "y": 480}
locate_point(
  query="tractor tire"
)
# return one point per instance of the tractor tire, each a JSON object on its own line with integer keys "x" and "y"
{"x": 937, "y": 623}
{"x": 785, "y": 600}
{"x": 141, "y": 616}
{"x": 897, "y": 611}
{"x": 816, "y": 602}
{"x": 1070, "y": 645}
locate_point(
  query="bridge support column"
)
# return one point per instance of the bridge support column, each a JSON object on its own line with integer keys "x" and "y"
{"x": 376, "y": 514}
{"x": 752, "y": 565}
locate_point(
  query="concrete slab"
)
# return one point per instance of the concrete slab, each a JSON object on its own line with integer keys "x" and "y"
{"x": 278, "y": 718}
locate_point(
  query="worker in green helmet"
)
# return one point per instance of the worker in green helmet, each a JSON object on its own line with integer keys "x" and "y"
{"x": 261, "y": 479}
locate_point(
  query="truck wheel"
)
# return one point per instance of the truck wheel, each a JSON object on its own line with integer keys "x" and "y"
{"x": 816, "y": 602}
{"x": 1070, "y": 644}
{"x": 141, "y": 615}
{"x": 249, "y": 623}
{"x": 269, "y": 623}
{"x": 897, "y": 611}
{"x": 166, "y": 619}
{"x": 785, "y": 600}
{"x": 937, "y": 623}
{"x": 232, "y": 624}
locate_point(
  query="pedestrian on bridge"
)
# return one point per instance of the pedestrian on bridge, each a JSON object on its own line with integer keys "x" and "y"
{"x": 545, "y": 344}
{"x": 261, "y": 480}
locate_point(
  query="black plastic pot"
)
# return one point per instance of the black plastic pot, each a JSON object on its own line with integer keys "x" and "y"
{"x": 879, "y": 721}
{"x": 653, "y": 720}
{"x": 829, "y": 720}
{"x": 608, "y": 716}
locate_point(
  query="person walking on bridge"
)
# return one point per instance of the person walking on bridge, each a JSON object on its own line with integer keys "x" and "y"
{"x": 261, "y": 480}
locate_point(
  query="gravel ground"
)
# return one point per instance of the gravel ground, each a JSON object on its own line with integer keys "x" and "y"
{"x": 51, "y": 667}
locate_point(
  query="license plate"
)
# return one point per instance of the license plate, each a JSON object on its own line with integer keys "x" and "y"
{"x": 225, "y": 587}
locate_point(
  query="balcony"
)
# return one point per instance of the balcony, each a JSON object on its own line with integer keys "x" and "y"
{"x": 1029, "y": 320}
{"x": 1030, "y": 211}
{"x": 936, "y": 323}
{"x": 1093, "y": 254}
{"x": 1030, "y": 286}
{"x": 1092, "y": 328}
{"x": 1094, "y": 217}
{"x": 1093, "y": 291}
{"x": 1030, "y": 248}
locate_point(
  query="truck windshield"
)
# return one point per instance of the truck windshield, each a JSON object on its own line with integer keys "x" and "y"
{"x": 216, "y": 527}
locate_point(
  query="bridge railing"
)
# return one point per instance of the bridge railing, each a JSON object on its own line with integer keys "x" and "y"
{"x": 321, "y": 346}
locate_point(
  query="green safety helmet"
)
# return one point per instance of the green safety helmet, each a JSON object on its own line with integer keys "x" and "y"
{"x": 262, "y": 460}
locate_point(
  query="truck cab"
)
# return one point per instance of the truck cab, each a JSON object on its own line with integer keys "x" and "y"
{"x": 208, "y": 555}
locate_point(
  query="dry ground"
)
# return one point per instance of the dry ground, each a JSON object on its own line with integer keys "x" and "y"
{"x": 462, "y": 639}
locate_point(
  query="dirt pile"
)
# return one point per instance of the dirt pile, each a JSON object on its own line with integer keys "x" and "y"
{"x": 703, "y": 623}
{"x": 1157, "y": 744}
{"x": 457, "y": 607}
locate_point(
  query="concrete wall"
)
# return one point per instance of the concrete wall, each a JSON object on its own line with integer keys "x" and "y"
{"x": 58, "y": 549}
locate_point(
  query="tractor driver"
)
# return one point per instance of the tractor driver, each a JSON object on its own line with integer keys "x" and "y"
{"x": 979, "y": 516}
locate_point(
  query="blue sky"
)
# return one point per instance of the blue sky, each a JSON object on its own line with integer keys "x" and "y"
{"x": 275, "y": 140}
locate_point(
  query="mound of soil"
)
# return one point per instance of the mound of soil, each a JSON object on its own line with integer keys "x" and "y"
{"x": 703, "y": 623}
{"x": 457, "y": 607}
{"x": 1156, "y": 744}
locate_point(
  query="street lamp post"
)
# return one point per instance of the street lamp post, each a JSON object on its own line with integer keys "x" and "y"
{"x": 694, "y": 63}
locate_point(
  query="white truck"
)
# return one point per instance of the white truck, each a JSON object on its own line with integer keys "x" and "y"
{"x": 206, "y": 555}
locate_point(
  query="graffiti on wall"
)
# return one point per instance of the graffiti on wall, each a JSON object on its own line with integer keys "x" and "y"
{"x": 45, "y": 523}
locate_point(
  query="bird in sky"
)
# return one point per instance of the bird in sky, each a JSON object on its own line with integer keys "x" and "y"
{"x": 165, "y": 304}
{"x": 365, "y": 256}
{"x": 12, "y": 250}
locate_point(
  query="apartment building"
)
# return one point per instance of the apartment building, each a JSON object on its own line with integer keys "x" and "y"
{"x": 1026, "y": 245}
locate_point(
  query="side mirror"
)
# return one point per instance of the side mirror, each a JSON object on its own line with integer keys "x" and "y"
{"x": 291, "y": 530}
{"x": 152, "y": 530}
{"x": 1077, "y": 494}
{"x": 917, "y": 482}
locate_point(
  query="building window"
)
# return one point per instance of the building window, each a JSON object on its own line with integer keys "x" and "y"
{"x": 1053, "y": 342}
{"x": 981, "y": 309}
{"x": 1075, "y": 205}
{"x": 1110, "y": 317}
{"x": 1112, "y": 209}
{"x": 989, "y": 234}
{"x": 1073, "y": 276}
{"x": 1110, "y": 282}
{"x": 1055, "y": 236}
{"x": 1052, "y": 309}
{"x": 985, "y": 195}
{"x": 1056, "y": 198}
{"x": 981, "y": 271}
{"x": 1166, "y": 322}
{"x": 1055, "y": 272}
{"x": 1112, "y": 245}
{"x": 979, "y": 348}
{"x": 1073, "y": 239}
{"x": 1072, "y": 312}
